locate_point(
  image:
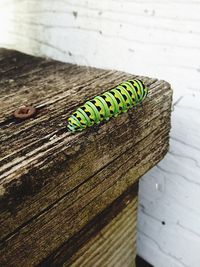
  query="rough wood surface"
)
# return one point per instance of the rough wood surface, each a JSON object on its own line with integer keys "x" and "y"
{"x": 114, "y": 245}
{"x": 96, "y": 241}
{"x": 53, "y": 183}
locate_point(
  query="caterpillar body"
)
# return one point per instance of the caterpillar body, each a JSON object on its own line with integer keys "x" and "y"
{"x": 111, "y": 103}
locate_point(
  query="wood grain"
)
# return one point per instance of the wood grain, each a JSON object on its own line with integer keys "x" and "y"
{"x": 53, "y": 183}
{"x": 114, "y": 245}
{"x": 94, "y": 242}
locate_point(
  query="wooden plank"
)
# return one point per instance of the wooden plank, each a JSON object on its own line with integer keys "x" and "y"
{"x": 114, "y": 245}
{"x": 96, "y": 241}
{"x": 51, "y": 179}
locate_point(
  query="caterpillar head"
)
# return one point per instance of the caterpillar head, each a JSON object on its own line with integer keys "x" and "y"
{"x": 75, "y": 123}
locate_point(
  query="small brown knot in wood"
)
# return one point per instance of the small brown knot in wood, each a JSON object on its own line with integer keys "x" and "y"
{"x": 24, "y": 112}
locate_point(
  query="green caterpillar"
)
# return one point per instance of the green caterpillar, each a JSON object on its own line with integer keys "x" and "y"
{"x": 109, "y": 104}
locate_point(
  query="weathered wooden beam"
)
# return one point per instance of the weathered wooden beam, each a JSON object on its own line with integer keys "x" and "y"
{"x": 111, "y": 232}
{"x": 53, "y": 183}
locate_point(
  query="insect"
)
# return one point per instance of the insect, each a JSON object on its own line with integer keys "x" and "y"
{"x": 111, "y": 103}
